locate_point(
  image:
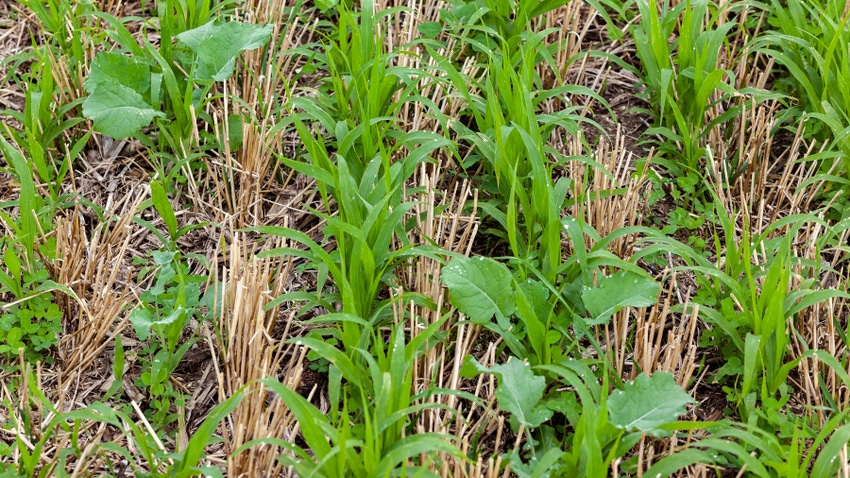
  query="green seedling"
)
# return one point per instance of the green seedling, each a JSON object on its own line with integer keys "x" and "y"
{"x": 83, "y": 449}
{"x": 497, "y": 26}
{"x": 27, "y": 229}
{"x": 361, "y": 99}
{"x": 59, "y": 17}
{"x": 31, "y": 158}
{"x": 43, "y": 124}
{"x": 366, "y": 192}
{"x": 31, "y": 320}
{"x": 811, "y": 41}
{"x": 750, "y": 306}
{"x": 684, "y": 81}
{"x": 33, "y": 323}
{"x": 166, "y": 309}
{"x": 361, "y": 84}
{"x": 509, "y": 143}
{"x": 162, "y": 205}
{"x": 812, "y": 452}
{"x": 366, "y": 433}
{"x": 49, "y": 120}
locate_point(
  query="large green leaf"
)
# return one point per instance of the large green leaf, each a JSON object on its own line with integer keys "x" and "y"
{"x": 519, "y": 391}
{"x": 117, "y": 110}
{"x": 163, "y": 207}
{"x": 646, "y": 403}
{"x": 218, "y": 44}
{"x": 120, "y": 69}
{"x": 480, "y": 288}
{"x": 617, "y": 291}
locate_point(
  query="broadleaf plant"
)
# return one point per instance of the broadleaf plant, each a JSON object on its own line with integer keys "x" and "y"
{"x": 519, "y": 391}
{"x": 118, "y": 111}
{"x": 218, "y": 44}
{"x": 127, "y": 93}
{"x": 480, "y": 288}
{"x": 647, "y": 402}
{"x": 616, "y": 292}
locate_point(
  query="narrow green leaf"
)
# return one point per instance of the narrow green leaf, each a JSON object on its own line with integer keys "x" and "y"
{"x": 10, "y": 258}
{"x": 51, "y": 286}
{"x": 309, "y": 418}
{"x": 163, "y": 207}
{"x": 117, "y": 369}
{"x": 185, "y": 466}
